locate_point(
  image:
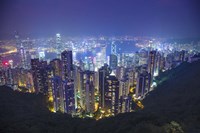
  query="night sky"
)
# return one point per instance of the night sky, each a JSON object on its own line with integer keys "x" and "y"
{"x": 161, "y": 18}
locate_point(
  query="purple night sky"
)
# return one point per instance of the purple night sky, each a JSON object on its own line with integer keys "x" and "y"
{"x": 177, "y": 18}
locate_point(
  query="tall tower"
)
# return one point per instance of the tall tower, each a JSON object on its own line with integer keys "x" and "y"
{"x": 103, "y": 72}
{"x": 44, "y": 77}
{"x": 18, "y": 42}
{"x": 69, "y": 98}
{"x": 112, "y": 95}
{"x": 157, "y": 64}
{"x": 140, "y": 89}
{"x": 89, "y": 88}
{"x": 113, "y": 61}
{"x": 39, "y": 72}
{"x": 151, "y": 63}
{"x": 57, "y": 91}
{"x": 35, "y": 73}
{"x": 103, "y": 52}
{"x": 58, "y": 44}
{"x": 77, "y": 87}
{"x": 143, "y": 84}
{"x": 67, "y": 66}
{"x": 113, "y": 56}
{"x": 67, "y": 77}
{"x": 113, "y": 48}
{"x": 150, "y": 45}
{"x": 23, "y": 57}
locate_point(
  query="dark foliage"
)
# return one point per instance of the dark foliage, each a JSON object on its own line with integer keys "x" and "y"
{"x": 173, "y": 107}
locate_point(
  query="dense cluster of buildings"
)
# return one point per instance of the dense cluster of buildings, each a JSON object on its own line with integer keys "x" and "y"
{"x": 98, "y": 87}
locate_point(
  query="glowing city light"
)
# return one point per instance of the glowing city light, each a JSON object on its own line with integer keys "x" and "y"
{"x": 155, "y": 74}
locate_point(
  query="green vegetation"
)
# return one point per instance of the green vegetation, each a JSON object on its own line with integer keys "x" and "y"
{"x": 173, "y": 107}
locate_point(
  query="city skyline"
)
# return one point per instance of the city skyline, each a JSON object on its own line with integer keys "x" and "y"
{"x": 101, "y": 66}
{"x": 91, "y": 77}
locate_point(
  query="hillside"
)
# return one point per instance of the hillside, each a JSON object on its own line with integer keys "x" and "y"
{"x": 173, "y": 107}
{"x": 177, "y": 96}
{"x": 27, "y": 113}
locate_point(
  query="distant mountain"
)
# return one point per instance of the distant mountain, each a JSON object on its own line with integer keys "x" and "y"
{"x": 173, "y": 107}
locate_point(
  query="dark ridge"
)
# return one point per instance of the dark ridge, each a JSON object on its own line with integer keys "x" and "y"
{"x": 173, "y": 107}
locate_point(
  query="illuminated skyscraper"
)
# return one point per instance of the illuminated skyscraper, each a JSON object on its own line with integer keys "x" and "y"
{"x": 58, "y": 101}
{"x": 113, "y": 48}
{"x": 21, "y": 52}
{"x": 143, "y": 84}
{"x": 57, "y": 67}
{"x": 58, "y": 43}
{"x": 162, "y": 62}
{"x": 77, "y": 87}
{"x": 140, "y": 89}
{"x": 88, "y": 64}
{"x": 113, "y": 56}
{"x": 9, "y": 77}
{"x": 18, "y": 42}
{"x": 40, "y": 75}
{"x": 104, "y": 71}
{"x": 68, "y": 96}
{"x": 98, "y": 61}
{"x": 68, "y": 79}
{"x": 29, "y": 82}
{"x": 157, "y": 64}
{"x": 43, "y": 83}
{"x": 120, "y": 72}
{"x": 150, "y": 45}
{"x": 123, "y": 87}
{"x": 20, "y": 77}
{"x": 143, "y": 57}
{"x": 136, "y": 58}
{"x": 113, "y": 61}
{"x": 88, "y": 79}
{"x": 103, "y": 54}
{"x": 125, "y": 104}
{"x": 35, "y": 72}
{"x": 67, "y": 66}
{"x": 151, "y": 63}
{"x": 112, "y": 95}
{"x": 81, "y": 89}
{"x": 28, "y": 59}
{"x": 50, "y": 75}
{"x": 23, "y": 58}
